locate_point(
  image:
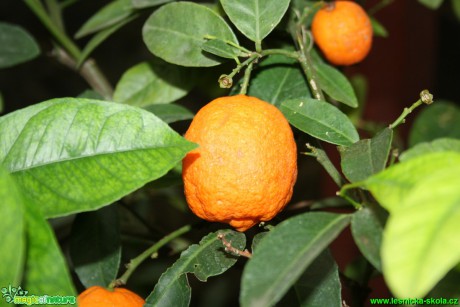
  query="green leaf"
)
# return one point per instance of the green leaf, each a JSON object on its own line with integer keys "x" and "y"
{"x": 95, "y": 246}
{"x": 330, "y": 202}
{"x": 46, "y": 270}
{"x": 140, "y": 4}
{"x": 321, "y": 120}
{"x": 110, "y": 14}
{"x": 393, "y": 185}
{"x": 438, "y": 145}
{"x": 208, "y": 258}
{"x": 220, "y": 48}
{"x": 170, "y": 113}
{"x": 431, "y": 4}
{"x": 12, "y": 230}
{"x": 335, "y": 84}
{"x": 456, "y": 8}
{"x": 378, "y": 28}
{"x": 366, "y": 157}
{"x": 72, "y": 155}
{"x": 420, "y": 241}
{"x": 436, "y": 121}
{"x": 90, "y": 94}
{"x": 367, "y": 228}
{"x": 277, "y": 79}
{"x": 176, "y": 33}
{"x": 319, "y": 285}
{"x": 17, "y": 45}
{"x": 254, "y": 18}
{"x": 152, "y": 83}
{"x": 257, "y": 238}
{"x": 99, "y": 38}
{"x": 284, "y": 254}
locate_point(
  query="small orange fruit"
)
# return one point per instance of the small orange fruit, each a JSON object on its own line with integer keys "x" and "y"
{"x": 246, "y": 166}
{"x": 97, "y": 296}
{"x": 343, "y": 32}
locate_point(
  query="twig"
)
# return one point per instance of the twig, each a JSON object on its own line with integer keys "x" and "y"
{"x": 425, "y": 97}
{"x": 229, "y": 248}
{"x": 70, "y": 51}
{"x": 246, "y": 78}
{"x": 150, "y": 252}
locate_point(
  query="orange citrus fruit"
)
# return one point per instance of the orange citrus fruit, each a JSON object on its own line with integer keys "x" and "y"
{"x": 97, "y": 296}
{"x": 245, "y": 167}
{"x": 343, "y": 32}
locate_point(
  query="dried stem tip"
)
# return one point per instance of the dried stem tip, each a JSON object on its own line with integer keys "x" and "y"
{"x": 229, "y": 248}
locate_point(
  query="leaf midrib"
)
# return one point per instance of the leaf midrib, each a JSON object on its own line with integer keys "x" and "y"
{"x": 90, "y": 156}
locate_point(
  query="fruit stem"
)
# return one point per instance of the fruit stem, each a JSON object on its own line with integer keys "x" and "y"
{"x": 247, "y": 77}
{"x": 287, "y": 53}
{"x": 324, "y": 160}
{"x": 226, "y": 81}
{"x": 343, "y": 193}
{"x": 150, "y": 252}
{"x": 425, "y": 97}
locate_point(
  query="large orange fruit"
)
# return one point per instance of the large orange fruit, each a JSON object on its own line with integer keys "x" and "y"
{"x": 343, "y": 32}
{"x": 96, "y": 296}
{"x": 246, "y": 165}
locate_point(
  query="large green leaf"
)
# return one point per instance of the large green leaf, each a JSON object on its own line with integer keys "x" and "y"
{"x": 318, "y": 286}
{"x": 335, "y": 84}
{"x": 72, "y": 155}
{"x": 284, "y": 253}
{"x": 420, "y": 242}
{"x": 17, "y": 45}
{"x": 95, "y": 246}
{"x": 111, "y": 14}
{"x": 12, "y": 230}
{"x": 152, "y": 83}
{"x": 436, "y": 121}
{"x": 278, "y": 79}
{"x": 176, "y": 32}
{"x": 367, "y": 229}
{"x": 443, "y": 144}
{"x": 46, "y": 270}
{"x": 255, "y": 18}
{"x": 321, "y": 120}
{"x": 206, "y": 259}
{"x": 366, "y": 157}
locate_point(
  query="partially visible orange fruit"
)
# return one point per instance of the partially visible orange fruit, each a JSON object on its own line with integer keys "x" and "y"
{"x": 343, "y": 32}
{"x": 246, "y": 165}
{"x": 96, "y": 296}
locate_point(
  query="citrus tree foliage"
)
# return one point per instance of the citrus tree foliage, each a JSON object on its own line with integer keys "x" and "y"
{"x": 106, "y": 164}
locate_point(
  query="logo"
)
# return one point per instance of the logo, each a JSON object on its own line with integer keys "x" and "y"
{"x": 20, "y": 296}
